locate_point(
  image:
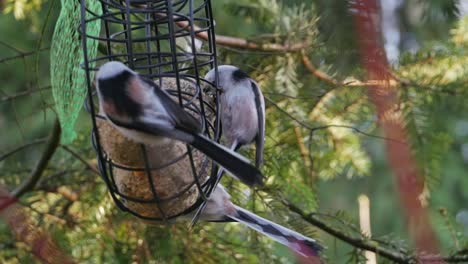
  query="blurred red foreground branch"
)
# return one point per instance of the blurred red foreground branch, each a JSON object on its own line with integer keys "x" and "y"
{"x": 385, "y": 98}
{"x": 41, "y": 245}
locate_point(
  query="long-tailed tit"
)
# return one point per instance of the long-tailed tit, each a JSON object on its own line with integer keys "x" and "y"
{"x": 144, "y": 112}
{"x": 219, "y": 208}
{"x": 242, "y": 109}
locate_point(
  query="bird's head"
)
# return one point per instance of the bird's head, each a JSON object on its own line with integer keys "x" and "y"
{"x": 120, "y": 90}
{"x": 228, "y": 76}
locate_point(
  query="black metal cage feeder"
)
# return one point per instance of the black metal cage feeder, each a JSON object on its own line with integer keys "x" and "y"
{"x": 158, "y": 40}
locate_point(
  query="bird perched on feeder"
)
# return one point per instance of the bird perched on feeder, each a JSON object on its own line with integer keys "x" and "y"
{"x": 145, "y": 113}
{"x": 242, "y": 109}
{"x": 219, "y": 208}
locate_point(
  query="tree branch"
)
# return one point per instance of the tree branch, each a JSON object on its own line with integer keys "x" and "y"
{"x": 51, "y": 146}
{"x": 350, "y": 81}
{"x": 356, "y": 242}
{"x": 353, "y": 82}
{"x": 318, "y": 73}
{"x": 372, "y": 245}
{"x": 246, "y": 44}
{"x": 240, "y": 43}
{"x": 305, "y": 154}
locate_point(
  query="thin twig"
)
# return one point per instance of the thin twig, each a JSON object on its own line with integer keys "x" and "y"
{"x": 19, "y": 148}
{"x": 22, "y": 55}
{"x": 247, "y": 51}
{"x": 312, "y": 129}
{"x": 305, "y": 154}
{"x": 294, "y": 97}
{"x": 77, "y": 156}
{"x": 357, "y": 131}
{"x": 3, "y": 43}
{"x": 48, "y": 15}
{"x": 245, "y": 44}
{"x": 24, "y": 93}
{"x": 52, "y": 145}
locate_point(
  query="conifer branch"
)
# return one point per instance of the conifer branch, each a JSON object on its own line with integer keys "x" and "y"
{"x": 364, "y": 243}
{"x": 235, "y": 42}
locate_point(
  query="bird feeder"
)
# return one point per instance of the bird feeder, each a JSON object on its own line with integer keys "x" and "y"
{"x": 160, "y": 40}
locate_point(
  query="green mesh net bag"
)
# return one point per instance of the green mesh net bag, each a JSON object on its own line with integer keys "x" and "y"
{"x": 67, "y": 79}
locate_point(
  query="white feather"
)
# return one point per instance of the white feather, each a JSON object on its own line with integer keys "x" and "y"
{"x": 111, "y": 69}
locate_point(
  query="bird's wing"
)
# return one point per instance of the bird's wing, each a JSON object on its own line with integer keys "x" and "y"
{"x": 237, "y": 165}
{"x": 182, "y": 120}
{"x": 260, "y": 138}
{"x": 154, "y": 126}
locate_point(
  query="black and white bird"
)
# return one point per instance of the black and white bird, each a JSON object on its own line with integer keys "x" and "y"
{"x": 145, "y": 113}
{"x": 242, "y": 109}
{"x": 219, "y": 208}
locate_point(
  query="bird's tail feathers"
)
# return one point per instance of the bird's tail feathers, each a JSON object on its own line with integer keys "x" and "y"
{"x": 300, "y": 243}
{"x": 237, "y": 165}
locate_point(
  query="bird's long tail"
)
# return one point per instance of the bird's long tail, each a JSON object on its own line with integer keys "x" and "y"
{"x": 301, "y": 244}
{"x": 238, "y": 166}
{"x": 234, "y": 147}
